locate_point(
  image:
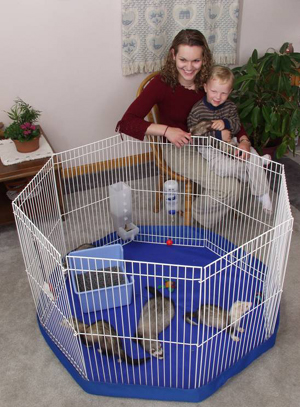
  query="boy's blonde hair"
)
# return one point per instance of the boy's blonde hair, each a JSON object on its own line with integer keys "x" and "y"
{"x": 222, "y": 73}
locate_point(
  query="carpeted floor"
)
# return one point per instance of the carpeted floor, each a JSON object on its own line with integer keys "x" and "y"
{"x": 292, "y": 171}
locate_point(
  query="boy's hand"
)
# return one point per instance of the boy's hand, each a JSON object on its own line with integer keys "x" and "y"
{"x": 218, "y": 125}
{"x": 226, "y": 135}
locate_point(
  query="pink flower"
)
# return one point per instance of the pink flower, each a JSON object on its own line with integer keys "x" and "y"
{"x": 27, "y": 124}
{"x": 26, "y": 132}
{"x": 23, "y": 126}
{"x": 32, "y": 127}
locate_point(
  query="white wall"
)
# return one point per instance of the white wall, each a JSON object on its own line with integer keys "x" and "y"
{"x": 267, "y": 23}
{"x": 64, "y": 58}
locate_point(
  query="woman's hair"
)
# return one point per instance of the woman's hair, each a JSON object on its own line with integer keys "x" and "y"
{"x": 192, "y": 38}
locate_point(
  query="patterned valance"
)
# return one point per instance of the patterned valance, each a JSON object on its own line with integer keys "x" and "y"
{"x": 149, "y": 26}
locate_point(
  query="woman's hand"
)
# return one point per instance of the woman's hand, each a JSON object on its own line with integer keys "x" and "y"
{"x": 244, "y": 145}
{"x": 178, "y": 137}
{"x": 218, "y": 125}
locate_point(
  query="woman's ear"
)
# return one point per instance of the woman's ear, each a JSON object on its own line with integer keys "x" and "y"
{"x": 173, "y": 53}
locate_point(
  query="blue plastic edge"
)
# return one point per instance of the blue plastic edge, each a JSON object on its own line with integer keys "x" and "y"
{"x": 160, "y": 393}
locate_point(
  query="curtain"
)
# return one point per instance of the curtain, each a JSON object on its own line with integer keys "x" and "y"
{"x": 149, "y": 26}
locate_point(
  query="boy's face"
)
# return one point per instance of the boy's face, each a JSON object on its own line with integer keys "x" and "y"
{"x": 217, "y": 92}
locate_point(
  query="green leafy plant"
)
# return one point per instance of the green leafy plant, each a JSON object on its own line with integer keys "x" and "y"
{"x": 24, "y": 118}
{"x": 268, "y": 104}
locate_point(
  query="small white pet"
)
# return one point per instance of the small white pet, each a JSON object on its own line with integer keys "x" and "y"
{"x": 217, "y": 317}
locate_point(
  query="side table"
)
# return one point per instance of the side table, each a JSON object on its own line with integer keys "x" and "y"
{"x": 16, "y": 174}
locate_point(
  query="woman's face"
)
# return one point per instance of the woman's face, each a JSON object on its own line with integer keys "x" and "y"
{"x": 188, "y": 62}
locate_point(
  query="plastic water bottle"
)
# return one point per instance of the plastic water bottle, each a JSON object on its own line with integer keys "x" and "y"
{"x": 171, "y": 196}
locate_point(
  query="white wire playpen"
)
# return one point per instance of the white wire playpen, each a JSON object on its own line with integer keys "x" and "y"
{"x": 163, "y": 300}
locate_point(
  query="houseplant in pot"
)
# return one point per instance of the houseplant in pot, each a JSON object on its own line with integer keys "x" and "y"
{"x": 23, "y": 130}
{"x": 269, "y": 106}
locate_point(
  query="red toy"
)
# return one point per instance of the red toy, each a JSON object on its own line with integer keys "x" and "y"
{"x": 169, "y": 242}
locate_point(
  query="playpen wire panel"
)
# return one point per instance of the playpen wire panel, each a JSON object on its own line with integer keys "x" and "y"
{"x": 142, "y": 175}
{"x": 67, "y": 204}
{"x": 88, "y": 170}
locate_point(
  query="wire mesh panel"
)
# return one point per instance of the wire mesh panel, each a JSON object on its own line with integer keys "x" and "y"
{"x": 39, "y": 225}
{"x": 181, "y": 286}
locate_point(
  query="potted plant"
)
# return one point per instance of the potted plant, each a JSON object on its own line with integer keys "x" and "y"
{"x": 23, "y": 130}
{"x": 268, "y": 103}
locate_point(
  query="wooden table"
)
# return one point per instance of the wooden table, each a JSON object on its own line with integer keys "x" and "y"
{"x": 16, "y": 176}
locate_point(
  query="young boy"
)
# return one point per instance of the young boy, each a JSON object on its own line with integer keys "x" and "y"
{"x": 223, "y": 113}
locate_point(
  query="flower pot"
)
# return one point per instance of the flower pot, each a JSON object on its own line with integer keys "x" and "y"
{"x": 271, "y": 148}
{"x": 27, "y": 146}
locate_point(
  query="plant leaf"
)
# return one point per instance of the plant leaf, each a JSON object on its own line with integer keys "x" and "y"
{"x": 255, "y": 116}
{"x": 264, "y": 62}
{"x": 285, "y": 63}
{"x": 286, "y": 86}
{"x": 273, "y": 118}
{"x": 284, "y": 124}
{"x": 241, "y": 79}
{"x": 276, "y": 63}
{"x": 296, "y": 56}
{"x": 295, "y": 120}
{"x": 247, "y": 102}
{"x": 284, "y": 47}
{"x": 254, "y": 56}
{"x": 266, "y": 112}
{"x": 250, "y": 68}
{"x": 281, "y": 150}
{"x": 268, "y": 127}
{"x": 294, "y": 71}
{"x": 246, "y": 111}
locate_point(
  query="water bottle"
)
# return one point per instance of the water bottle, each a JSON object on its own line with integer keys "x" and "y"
{"x": 171, "y": 196}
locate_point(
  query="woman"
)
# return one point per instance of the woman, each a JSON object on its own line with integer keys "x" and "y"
{"x": 175, "y": 90}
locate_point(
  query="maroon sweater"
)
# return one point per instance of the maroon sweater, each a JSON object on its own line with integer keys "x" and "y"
{"x": 174, "y": 107}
